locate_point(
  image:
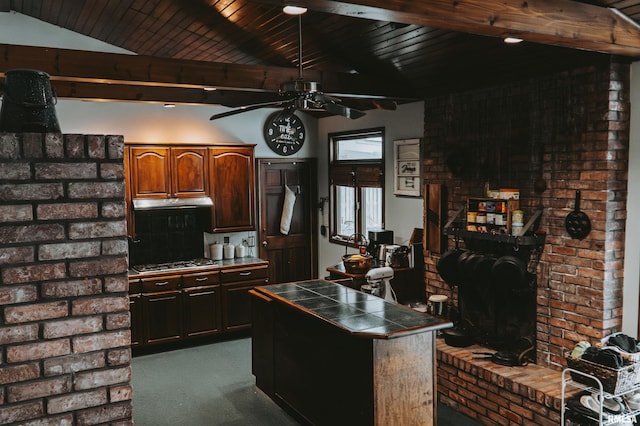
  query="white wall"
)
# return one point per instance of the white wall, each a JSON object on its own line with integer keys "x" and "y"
{"x": 23, "y": 30}
{"x": 632, "y": 244}
{"x": 402, "y": 214}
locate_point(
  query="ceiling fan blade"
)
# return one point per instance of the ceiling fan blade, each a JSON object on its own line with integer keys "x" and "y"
{"x": 247, "y": 108}
{"x": 384, "y": 104}
{"x": 337, "y": 109}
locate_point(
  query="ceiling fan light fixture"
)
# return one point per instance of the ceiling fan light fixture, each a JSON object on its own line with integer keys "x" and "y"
{"x": 294, "y": 10}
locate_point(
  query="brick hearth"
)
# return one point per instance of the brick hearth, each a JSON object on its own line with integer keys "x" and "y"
{"x": 495, "y": 394}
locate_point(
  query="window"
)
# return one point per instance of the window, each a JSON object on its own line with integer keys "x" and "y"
{"x": 356, "y": 181}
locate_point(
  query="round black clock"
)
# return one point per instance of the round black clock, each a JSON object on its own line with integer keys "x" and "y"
{"x": 284, "y": 133}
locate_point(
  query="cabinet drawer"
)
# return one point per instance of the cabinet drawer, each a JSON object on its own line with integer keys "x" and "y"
{"x": 169, "y": 282}
{"x": 135, "y": 286}
{"x": 201, "y": 279}
{"x": 244, "y": 274}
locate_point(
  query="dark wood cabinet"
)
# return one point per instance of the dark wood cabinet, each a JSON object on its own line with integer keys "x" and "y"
{"x": 236, "y": 301}
{"x": 150, "y": 172}
{"x": 135, "y": 309}
{"x": 201, "y": 303}
{"x": 162, "y": 317}
{"x": 385, "y": 377}
{"x": 168, "y": 172}
{"x": 225, "y": 173}
{"x": 233, "y": 188}
{"x": 190, "y": 172}
{"x": 171, "y": 307}
{"x": 161, "y": 309}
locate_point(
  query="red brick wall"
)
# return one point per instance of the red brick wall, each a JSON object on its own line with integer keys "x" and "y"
{"x": 64, "y": 309}
{"x": 570, "y": 130}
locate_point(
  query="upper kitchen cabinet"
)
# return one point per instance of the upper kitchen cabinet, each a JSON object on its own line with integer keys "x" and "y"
{"x": 232, "y": 188}
{"x": 168, "y": 172}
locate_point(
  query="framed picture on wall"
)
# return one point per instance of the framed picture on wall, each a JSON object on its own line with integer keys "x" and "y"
{"x": 407, "y": 174}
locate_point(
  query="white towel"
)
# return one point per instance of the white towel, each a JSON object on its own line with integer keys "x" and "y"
{"x": 287, "y": 210}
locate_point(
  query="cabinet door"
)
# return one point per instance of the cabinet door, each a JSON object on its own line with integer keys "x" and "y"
{"x": 201, "y": 311}
{"x": 189, "y": 172}
{"x": 236, "y": 304}
{"x": 232, "y": 188}
{"x": 201, "y": 303}
{"x": 150, "y": 172}
{"x": 135, "y": 309}
{"x": 162, "y": 314}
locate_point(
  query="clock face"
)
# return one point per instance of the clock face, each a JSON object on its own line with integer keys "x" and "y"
{"x": 284, "y": 133}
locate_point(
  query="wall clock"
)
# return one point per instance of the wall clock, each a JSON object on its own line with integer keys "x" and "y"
{"x": 284, "y": 133}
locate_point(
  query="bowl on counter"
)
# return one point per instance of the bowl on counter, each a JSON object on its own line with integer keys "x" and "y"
{"x": 357, "y": 263}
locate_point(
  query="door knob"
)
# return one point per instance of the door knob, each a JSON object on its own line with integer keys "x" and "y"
{"x": 264, "y": 244}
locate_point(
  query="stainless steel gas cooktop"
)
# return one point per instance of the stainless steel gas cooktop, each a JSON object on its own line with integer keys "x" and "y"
{"x": 181, "y": 264}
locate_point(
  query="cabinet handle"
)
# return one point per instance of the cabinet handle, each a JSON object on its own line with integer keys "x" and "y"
{"x": 245, "y": 274}
{"x": 202, "y": 279}
{"x": 162, "y": 283}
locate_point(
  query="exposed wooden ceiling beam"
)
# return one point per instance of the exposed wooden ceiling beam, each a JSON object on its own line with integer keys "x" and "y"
{"x": 138, "y": 74}
{"x": 554, "y": 22}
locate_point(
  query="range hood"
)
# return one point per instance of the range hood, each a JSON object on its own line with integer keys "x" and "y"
{"x": 142, "y": 204}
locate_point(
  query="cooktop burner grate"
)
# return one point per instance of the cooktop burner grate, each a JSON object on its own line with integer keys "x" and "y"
{"x": 181, "y": 264}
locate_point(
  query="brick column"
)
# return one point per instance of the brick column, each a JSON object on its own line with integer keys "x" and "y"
{"x": 64, "y": 311}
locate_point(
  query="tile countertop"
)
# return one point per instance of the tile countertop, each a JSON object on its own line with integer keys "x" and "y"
{"x": 353, "y": 311}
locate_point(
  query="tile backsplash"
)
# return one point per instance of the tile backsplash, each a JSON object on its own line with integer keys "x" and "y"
{"x": 168, "y": 235}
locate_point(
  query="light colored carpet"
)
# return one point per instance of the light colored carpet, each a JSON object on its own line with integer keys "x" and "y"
{"x": 202, "y": 386}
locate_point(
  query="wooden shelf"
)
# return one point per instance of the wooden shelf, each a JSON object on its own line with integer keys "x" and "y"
{"x": 535, "y": 239}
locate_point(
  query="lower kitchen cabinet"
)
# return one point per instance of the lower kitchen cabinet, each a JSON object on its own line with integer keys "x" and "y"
{"x": 201, "y": 311}
{"x": 135, "y": 309}
{"x": 162, "y": 313}
{"x": 175, "y": 307}
{"x": 201, "y": 303}
{"x": 161, "y": 309}
{"x": 236, "y": 301}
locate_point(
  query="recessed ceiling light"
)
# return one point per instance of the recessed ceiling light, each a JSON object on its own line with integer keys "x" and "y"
{"x": 512, "y": 40}
{"x": 169, "y": 105}
{"x": 209, "y": 89}
{"x": 294, "y": 10}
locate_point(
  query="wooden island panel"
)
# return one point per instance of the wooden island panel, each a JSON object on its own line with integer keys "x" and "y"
{"x": 332, "y": 355}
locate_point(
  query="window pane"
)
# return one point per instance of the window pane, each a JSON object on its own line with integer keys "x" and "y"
{"x": 363, "y": 148}
{"x": 371, "y": 209}
{"x": 345, "y": 211}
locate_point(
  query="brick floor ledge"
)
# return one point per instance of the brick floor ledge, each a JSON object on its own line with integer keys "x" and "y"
{"x": 497, "y": 395}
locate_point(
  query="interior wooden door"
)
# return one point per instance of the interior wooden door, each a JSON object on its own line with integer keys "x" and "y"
{"x": 292, "y": 256}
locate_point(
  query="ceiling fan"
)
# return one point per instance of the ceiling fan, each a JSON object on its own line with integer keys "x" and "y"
{"x": 301, "y": 95}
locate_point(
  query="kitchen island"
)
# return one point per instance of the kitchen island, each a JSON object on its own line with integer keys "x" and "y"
{"x": 332, "y": 355}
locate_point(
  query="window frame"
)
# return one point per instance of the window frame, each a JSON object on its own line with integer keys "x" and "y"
{"x": 364, "y": 173}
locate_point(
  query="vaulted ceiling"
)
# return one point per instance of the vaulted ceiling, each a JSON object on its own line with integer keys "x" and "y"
{"x": 360, "y": 49}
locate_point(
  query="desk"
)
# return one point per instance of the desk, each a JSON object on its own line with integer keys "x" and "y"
{"x": 331, "y": 355}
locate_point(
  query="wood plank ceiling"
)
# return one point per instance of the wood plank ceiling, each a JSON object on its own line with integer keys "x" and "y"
{"x": 400, "y": 50}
